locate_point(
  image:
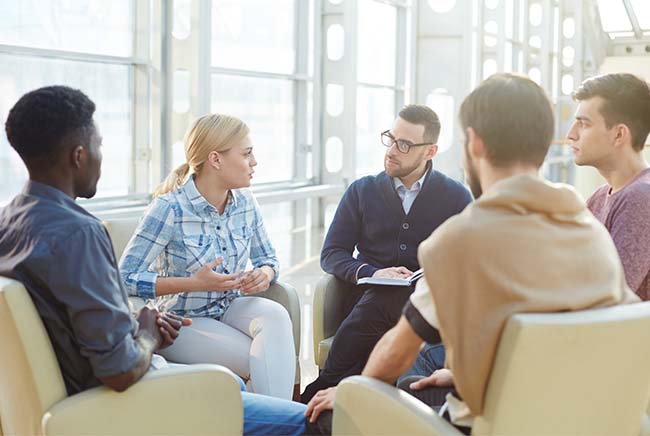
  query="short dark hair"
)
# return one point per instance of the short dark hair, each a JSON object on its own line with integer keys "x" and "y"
{"x": 423, "y": 116}
{"x": 44, "y": 120}
{"x": 514, "y": 118}
{"x": 626, "y": 101}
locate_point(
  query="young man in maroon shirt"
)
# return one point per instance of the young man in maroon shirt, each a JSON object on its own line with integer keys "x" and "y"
{"x": 609, "y": 134}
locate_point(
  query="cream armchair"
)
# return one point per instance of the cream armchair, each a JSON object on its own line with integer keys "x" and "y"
{"x": 563, "y": 373}
{"x": 121, "y": 229}
{"x": 197, "y": 399}
{"x": 333, "y": 301}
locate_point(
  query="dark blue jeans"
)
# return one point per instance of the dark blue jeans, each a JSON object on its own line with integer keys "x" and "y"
{"x": 431, "y": 357}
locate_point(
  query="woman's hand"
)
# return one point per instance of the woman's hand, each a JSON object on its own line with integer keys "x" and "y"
{"x": 257, "y": 280}
{"x": 205, "y": 279}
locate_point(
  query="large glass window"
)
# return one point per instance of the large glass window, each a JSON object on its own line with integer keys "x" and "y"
{"x": 377, "y": 43}
{"x": 260, "y": 74}
{"x": 255, "y": 35}
{"x": 266, "y": 105}
{"x": 100, "y": 29}
{"x": 381, "y": 56}
{"x": 374, "y": 115}
{"x": 87, "y": 26}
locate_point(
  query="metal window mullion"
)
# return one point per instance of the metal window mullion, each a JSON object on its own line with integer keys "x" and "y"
{"x": 301, "y": 42}
{"x": 166, "y": 91}
{"x": 501, "y": 39}
{"x": 380, "y": 86}
{"x": 396, "y": 3}
{"x": 258, "y": 74}
{"x": 71, "y": 56}
{"x": 317, "y": 205}
{"x": 400, "y": 58}
{"x": 525, "y": 36}
{"x": 413, "y": 16}
{"x": 480, "y": 46}
{"x": 141, "y": 100}
{"x": 350, "y": 84}
{"x": 317, "y": 92}
{"x": 629, "y": 9}
{"x": 205, "y": 58}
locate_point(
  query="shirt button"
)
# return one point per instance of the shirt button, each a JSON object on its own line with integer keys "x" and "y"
{"x": 405, "y": 226}
{"x": 223, "y": 248}
{"x": 218, "y": 227}
{"x": 402, "y": 247}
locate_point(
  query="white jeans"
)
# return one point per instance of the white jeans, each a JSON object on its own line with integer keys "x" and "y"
{"x": 254, "y": 339}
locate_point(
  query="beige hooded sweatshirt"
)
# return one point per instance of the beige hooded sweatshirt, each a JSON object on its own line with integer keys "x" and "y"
{"x": 526, "y": 245}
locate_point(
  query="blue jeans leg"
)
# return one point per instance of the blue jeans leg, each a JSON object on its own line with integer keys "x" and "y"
{"x": 265, "y": 415}
{"x": 430, "y": 358}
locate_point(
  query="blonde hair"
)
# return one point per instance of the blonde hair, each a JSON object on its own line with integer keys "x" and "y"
{"x": 214, "y": 132}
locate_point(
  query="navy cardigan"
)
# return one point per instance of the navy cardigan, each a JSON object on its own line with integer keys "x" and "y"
{"x": 370, "y": 218}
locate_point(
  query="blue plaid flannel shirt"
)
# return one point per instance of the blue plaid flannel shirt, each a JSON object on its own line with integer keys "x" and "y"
{"x": 181, "y": 232}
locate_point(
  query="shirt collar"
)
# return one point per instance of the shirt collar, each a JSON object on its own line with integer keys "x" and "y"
{"x": 198, "y": 201}
{"x": 416, "y": 186}
{"x": 37, "y": 189}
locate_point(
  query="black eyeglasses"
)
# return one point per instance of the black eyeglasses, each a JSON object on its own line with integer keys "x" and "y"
{"x": 402, "y": 145}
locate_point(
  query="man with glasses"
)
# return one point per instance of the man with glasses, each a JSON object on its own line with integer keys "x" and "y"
{"x": 385, "y": 217}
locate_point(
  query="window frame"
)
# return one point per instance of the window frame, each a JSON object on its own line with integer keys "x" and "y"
{"x": 301, "y": 79}
{"x": 140, "y": 94}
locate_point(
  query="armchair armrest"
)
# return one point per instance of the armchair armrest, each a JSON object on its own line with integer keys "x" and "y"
{"x": 193, "y": 399}
{"x": 333, "y": 300}
{"x": 366, "y": 406}
{"x": 287, "y": 296}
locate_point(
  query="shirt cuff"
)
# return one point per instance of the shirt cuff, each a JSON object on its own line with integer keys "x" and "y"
{"x": 364, "y": 270}
{"x": 275, "y": 269}
{"x": 145, "y": 285}
{"x": 420, "y": 326}
{"x": 122, "y": 358}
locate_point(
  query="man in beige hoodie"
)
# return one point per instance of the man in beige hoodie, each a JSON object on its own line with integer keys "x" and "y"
{"x": 525, "y": 245}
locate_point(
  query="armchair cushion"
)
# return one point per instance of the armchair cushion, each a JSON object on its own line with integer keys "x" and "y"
{"x": 197, "y": 399}
{"x": 193, "y": 399}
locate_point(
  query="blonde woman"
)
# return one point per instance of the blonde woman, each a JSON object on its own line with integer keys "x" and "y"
{"x": 196, "y": 240}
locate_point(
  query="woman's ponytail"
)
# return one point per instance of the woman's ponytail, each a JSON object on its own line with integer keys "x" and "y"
{"x": 174, "y": 180}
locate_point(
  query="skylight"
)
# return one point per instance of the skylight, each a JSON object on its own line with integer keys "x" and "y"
{"x": 642, "y": 12}
{"x": 625, "y": 18}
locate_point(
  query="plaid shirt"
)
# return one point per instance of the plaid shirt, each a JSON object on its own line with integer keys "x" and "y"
{"x": 181, "y": 232}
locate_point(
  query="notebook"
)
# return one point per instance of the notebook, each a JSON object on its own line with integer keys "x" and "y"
{"x": 391, "y": 281}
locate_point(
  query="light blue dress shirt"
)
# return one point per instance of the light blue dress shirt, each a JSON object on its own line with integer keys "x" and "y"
{"x": 408, "y": 196}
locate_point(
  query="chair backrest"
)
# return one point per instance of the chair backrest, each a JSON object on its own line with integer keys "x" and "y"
{"x": 337, "y": 298}
{"x": 120, "y": 230}
{"x": 30, "y": 378}
{"x": 583, "y": 372}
